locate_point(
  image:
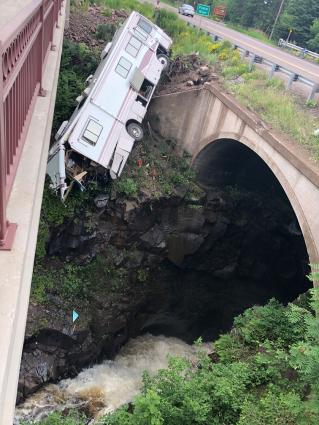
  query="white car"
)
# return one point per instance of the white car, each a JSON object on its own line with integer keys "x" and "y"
{"x": 187, "y": 10}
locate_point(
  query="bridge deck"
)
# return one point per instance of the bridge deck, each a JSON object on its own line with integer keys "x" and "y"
{"x": 9, "y": 9}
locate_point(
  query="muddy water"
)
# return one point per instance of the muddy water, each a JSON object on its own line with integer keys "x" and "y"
{"x": 105, "y": 387}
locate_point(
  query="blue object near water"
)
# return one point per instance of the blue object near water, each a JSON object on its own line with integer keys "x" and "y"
{"x": 75, "y": 315}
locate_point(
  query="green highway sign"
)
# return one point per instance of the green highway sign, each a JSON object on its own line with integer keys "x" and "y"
{"x": 203, "y": 9}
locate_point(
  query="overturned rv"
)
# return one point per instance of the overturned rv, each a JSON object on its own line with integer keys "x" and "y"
{"x": 107, "y": 121}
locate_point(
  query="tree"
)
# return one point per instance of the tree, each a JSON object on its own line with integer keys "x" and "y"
{"x": 313, "y": 43}
{"x": 299, "y": 15}
{"x": 296, "y": 15}
{"x": 253, "y": 13}
{"x": 285, "y": 24}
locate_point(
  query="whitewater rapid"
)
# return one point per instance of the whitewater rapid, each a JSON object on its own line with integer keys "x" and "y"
{"x": 106, "y": 386}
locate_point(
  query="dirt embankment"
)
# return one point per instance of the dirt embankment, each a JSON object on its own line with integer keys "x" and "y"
{"x": 185, "y": 73}
{"x": 83, "y": 25}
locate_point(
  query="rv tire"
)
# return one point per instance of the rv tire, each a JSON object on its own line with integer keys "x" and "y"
{"x": 164, "y": 60}
{"x": 135, "y": 130}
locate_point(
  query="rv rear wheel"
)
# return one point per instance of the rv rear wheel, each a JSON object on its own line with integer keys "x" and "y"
{"x": 164, "y": 60}
{"x": 135, "y": 130}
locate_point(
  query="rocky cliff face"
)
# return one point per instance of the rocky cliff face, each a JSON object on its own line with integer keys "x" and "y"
{"x": 178, "y": 265}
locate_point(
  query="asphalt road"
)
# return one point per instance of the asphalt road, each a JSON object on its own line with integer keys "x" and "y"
{"x": 274, "y": 54}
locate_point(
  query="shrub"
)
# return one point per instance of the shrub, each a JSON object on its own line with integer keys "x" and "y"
{"x": 270, "y": 323}
{"x": 127, "y": 186}
{"x": 77, "y": 63}
{"x": 42, "y": 281}
{"x": 170, "y": 23}
{"x": 144, "y": 8}
{"x": 105, "y": 31}
{"x": 272, "y": 409}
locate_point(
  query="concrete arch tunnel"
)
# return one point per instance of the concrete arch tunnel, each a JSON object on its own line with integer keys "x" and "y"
{"x": 226, "y": 160}
{"x": 209, "y": 123}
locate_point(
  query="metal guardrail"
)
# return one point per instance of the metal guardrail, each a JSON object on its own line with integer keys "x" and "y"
{"x": 274, "y": 67}
{"x": 302, "y": 50}
{"x": 24, "y": 46}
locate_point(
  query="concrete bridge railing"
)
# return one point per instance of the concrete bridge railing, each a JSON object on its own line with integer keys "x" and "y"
{"x": 24, "y": 46}
{"x": 26, "y": 120}
{"x": 199, "y": 117}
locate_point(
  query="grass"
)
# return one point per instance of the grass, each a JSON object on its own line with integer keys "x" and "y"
{"x": 155, "y": 169}
{"x": 171, "y": 3}
{"x": 251, "y": 32}
{"x": 145, "y": 9}
{"x": 269, "y": 99}
{"x": 279, "y": 108}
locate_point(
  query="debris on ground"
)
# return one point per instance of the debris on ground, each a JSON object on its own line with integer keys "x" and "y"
{"x": 83, "y": 25}
{"x": 184, "y": 73}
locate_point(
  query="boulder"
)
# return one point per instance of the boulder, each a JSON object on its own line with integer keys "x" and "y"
{"x": 154, "y": 238}
{"x": 203, "y": 71}
{"x": 101, "y": 200}
{"x": 182, "y": 244}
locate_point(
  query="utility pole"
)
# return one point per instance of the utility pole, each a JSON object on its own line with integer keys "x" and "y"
{"x": 275, "y": 23}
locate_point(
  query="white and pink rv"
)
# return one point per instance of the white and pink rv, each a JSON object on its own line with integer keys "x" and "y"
{"x": 107, "y": 120}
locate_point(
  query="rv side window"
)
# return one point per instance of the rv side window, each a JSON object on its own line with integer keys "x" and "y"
{"x": 92, "y": 132}
{"x": 123, "y": 67}
{"x": 133, "y": 46}
{"x": 140, "y": 34}
{"x": 145, "y": 26}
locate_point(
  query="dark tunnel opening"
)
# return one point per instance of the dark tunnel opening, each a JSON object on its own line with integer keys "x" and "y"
{"x": 254, "y": 249}
{"x": 227, "y": 162}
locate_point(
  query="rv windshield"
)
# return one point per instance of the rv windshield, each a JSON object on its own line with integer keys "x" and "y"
{"x": 145, "y": 26}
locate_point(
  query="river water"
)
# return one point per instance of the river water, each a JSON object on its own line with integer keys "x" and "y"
{"x": 106, "y": 386}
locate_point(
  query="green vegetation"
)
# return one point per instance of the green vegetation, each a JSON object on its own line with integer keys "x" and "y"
{"x": 53, "y": 213}
{"x": 187, "y": 40}
{"x": 73, "y": 282}
{"x": 268, "y": 98}
{"x": 278, "y": 108}
{"x": 154, "y": 168}
{"x": 155, "y": 171}
{"x": 255, "y": 376}
{"x": 77, "y": 63}
{"x": 314, "y": 31}
{"x": 300, "y": 17}
{"x": 256, "y": 19}
{"x": 145, "y": 9}
{"x": 251, "y": 32}
{"x": 265, "y": 371}
{"x": 65, "y": 279}
{"x": 105, "y": 32}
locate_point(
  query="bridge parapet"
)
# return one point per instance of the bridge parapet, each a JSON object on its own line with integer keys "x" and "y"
{"x": 199, "y": 117}
{"x": 23, "y": 206}
{"x": 24, "y": 46}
